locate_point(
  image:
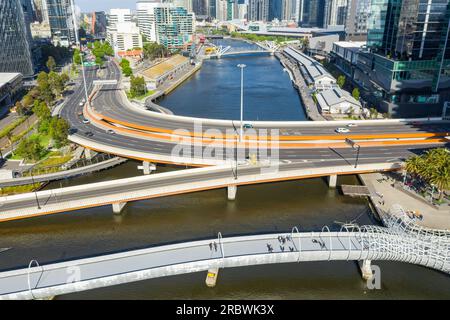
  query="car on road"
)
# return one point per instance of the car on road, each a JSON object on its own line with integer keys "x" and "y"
{"x": 85, "y": 121}
{"x": 352, "y": 125}
{"x": 110, "y": 131}
{"x": 73, "y": 130}
{"x": 81, "y": 104}
{"x": 342, "y": 130}
{"x": 88, "y": 134}
{"x": 248, "y": 126}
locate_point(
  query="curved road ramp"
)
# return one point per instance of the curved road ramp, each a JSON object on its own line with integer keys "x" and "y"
{"x": 118, "y": 192}
{"x": 400, "y": 240}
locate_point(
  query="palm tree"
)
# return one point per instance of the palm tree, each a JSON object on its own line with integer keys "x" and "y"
{"x": 441, "y": 179}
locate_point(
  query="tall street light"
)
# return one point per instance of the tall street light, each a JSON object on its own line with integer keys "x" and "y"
{"x": 242, "y": 66}
{"x": 78, "y": 43}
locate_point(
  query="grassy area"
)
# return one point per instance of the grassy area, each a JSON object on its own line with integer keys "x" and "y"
{"x": 12, "y": 126}
{"x": 19, "y": 189}
{"x": 141, "y": 97}
{"x": 54, "y": 161}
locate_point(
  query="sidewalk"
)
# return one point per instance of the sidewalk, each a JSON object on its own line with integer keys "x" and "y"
{"x": 386, "y": 196}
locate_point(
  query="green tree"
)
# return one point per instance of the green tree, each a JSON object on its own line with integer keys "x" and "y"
{"x": 355, "y": 93}
{"x": 59, "y": 129}
{"x": 44, "y": 88}
{"x": 137, "y": 86}
{"x": 41, "y": 110}
{"x": 99, "y": 61}
{"x": 77, "y": 57}
{"x": 341, "y": 81}
{"x": 56, "y": 83}
{"x": 30, "y": 149}
{"x": 126, "y": 69}
{"x": 51, "y": 63}
{"x": 20, "y": 108}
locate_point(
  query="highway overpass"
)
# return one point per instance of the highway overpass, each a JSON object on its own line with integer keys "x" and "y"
{"x": 118, "y": 192}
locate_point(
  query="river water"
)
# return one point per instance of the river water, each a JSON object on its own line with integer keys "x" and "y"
{"x": 214, "y": 91}
{"x": 308, "y": 204}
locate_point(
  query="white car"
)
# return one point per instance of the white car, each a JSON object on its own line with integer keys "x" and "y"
{"x": 352, "y": 125}
{"x": 85, "y": 121}
{"x": 342, "y": 130}
{"x": 81, "y": 104}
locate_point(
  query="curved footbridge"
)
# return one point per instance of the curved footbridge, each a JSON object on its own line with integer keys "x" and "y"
{"x": 399, "y": 241}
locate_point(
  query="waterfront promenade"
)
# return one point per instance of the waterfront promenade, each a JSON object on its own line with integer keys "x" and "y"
{"x": 384, "y": 196}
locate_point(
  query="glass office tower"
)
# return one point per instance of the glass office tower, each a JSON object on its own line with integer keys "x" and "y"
{"x": 60, "y": 20}
{"x": 15, "y": 55}
{"x": 408, "y": 29}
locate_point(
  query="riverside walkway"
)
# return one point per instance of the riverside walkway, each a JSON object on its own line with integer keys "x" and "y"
{"x": 398, "y": 241}
{"x": 63, "y": 174}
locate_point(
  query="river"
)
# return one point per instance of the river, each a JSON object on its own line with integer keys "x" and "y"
{"x": 308, "y": 204}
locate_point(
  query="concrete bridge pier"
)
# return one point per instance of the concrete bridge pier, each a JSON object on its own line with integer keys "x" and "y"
{"x": 88, "y": 154}
{"x": 332, "y": 180}
{"x": 147, "y": 167}
{"x": 232, "y": 190}
{"x": 118, "y": 206}
{"x": 366, "y": 270}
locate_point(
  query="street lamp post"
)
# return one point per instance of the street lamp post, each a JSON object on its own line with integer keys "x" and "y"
{"x": 79, "y": 46}
{"x": 242, "y": 66}
{"x": 354, "y": 146}
{"x": 35, "y": 192}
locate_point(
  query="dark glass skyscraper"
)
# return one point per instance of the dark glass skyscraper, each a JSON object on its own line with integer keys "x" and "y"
{"x": 15, "y": 55}
{"x": 60, "y": 19}
{"x": 408, "y": 29}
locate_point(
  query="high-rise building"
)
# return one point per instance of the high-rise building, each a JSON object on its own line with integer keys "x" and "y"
{"x": 335, "y": 12}
{"x": 40, "y": 11}
{"x": 212, "y": 8}
{"x": 406, "y": 66}
{"x": 312, "y": 13}
{"x": 357, "y": 19}
{"x": 258, "y": 10}
{"x": 61, "y": 21}
{"x": 242, "y": 11}
{"x": 15, "y": 53}
{"x": 275, "y": 9}
{"x": 200, "y": 7}
{"x": 403, "y": 29}
{"x": 146, "y": 18}
{"x": 99, "y": 24}
{"x": 174, "y": 26}
{"x": 126, "y": 36}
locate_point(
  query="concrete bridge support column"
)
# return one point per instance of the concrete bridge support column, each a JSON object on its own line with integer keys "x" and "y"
{"x": 88, "y": 154}
{"x": 332, "y": 180}
{"x": 232, "y": 192}
{"x": 147, "y": 167}
{"x": 366, "y": 270}
{"x": 118, "y": 206}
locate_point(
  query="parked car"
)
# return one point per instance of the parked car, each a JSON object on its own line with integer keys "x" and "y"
{"x": 342, "y": 130}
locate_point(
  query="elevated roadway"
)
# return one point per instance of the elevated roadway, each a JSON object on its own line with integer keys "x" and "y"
{"x": 118, "y": 192}
{"x": 110, "y": 102}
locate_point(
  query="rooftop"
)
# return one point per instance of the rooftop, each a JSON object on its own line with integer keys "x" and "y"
{"x": 314, "y": 68}
{"x": 164, "y": 67}
{"x": 7, "y": 77}
{"x": 335, "y": 96}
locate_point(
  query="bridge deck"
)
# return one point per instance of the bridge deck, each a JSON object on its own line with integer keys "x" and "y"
{"x": 168, "y": 256}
